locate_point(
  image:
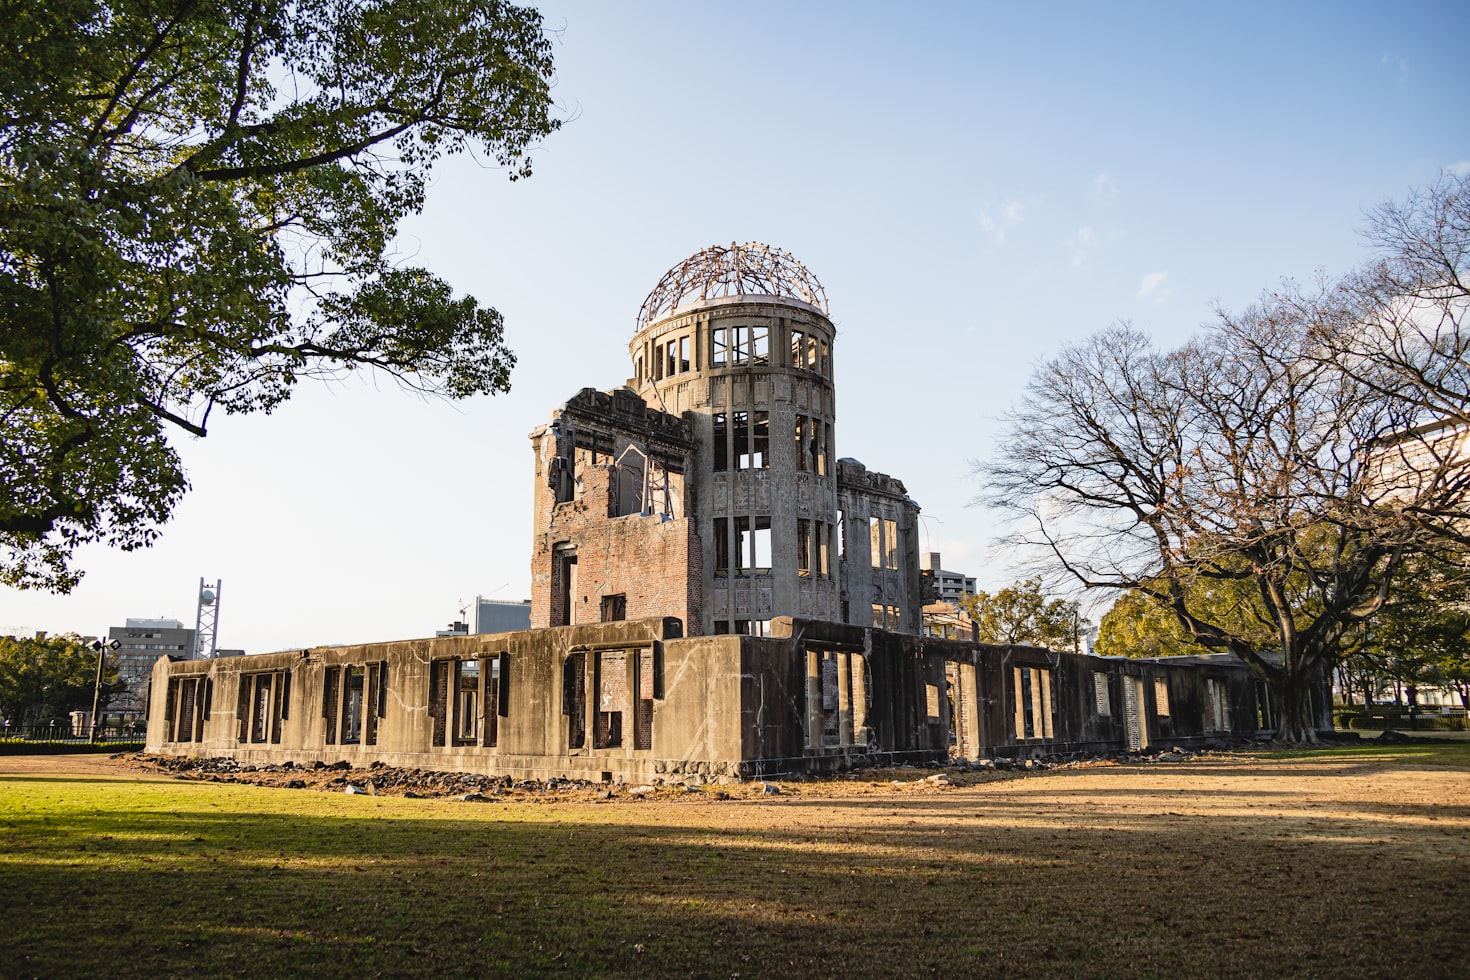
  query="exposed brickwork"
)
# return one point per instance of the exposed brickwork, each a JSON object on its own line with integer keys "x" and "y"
{"x": 654, "y": 560}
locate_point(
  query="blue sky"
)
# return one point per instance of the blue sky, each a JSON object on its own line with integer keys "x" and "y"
{"x": 974, "y": 184}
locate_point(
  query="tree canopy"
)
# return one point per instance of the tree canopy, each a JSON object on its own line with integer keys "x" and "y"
{"x": 48, "y": 676}
{"x": 1297, "y": 450}
{"x": 1021, "y": 613}
{"x": 199, "y": 203}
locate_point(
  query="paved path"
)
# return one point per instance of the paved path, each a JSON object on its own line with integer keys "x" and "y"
{"x": 66, "y": 764}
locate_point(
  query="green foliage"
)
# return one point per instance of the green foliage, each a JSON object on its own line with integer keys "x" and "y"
{"x": 1422, "y": 635}
{"x": 1140, "y": 625}
{"x": 48, "y": 676}
{"x": 1021, "y": 614}
{"x": 198, "y": 203}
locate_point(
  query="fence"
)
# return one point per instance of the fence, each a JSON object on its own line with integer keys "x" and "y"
{"x": 1380, "y": 717}
{"x": 60, "y": 731}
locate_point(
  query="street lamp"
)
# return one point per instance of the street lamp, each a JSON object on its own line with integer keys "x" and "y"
{"x": 101, "y": 646}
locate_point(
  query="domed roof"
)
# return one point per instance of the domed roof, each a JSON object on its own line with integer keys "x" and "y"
{"x": 752, "y": 269}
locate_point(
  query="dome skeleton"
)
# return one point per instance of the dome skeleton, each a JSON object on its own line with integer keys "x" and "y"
{"x": 753, "y": 269}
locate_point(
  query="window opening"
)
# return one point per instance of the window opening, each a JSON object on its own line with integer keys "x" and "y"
{"x": 466, "y": 702}
{"x": 719, "y": 442}
{"x": 643, "y": 727}
{"x": 1161, "y": 697}
{"x": 801, "y": 442}
{"x": 752, "y": 440}
{"x": 377, "y": 700}
{"x": 612, "y": 698}
{"x": 614, "y": 608}
{"x": 331, "y": 698}
{"x": 719, "y": 355}
{"x": 722, "y": 546}
{"x": 753, "y": 544}
{"x": 798, "y": 347}
{"x": 439, "y": 700}
{"x": 574, "y": 699}
{"x": 890, "y": 544}
{"x": 875, "y": 542}
{"x": 803, "y": 547}
{"x": 352, "y": 702}
{"x": 1100, "y": 700}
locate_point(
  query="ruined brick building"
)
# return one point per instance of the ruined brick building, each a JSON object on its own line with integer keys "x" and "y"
{"x": 709, "y": 488}
{"x": 715, "y": 595}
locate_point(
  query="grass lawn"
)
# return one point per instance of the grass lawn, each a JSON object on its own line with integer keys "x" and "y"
{"x": 1349, "y": 862}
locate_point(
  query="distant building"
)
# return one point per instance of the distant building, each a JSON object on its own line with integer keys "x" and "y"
{"x": 949, "y": 587}
{"x": 140, "y": 643}
{"x": 501, "y": 615}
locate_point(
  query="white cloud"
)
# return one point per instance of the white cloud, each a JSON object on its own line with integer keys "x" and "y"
{"x": 1010, "y": 216}
{"x": 1154, "y": 286}
{"x": 1459, "y": 168}
{"x": 1104, "y": 186}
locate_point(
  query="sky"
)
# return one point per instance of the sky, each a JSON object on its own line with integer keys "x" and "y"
{"x": 975, "y": 184}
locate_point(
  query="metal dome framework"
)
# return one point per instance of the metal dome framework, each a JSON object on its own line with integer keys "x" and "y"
{"x": 752, "y": 269}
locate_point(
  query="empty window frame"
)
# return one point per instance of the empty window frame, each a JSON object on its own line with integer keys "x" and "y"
{"x": 798, "y": 349}
{"x": 675, "y": 356}
{"x": 875, "y": 540}
{"x": 1161, "y": 697}
{"x": 264, "y": 703}
{"x": 749, "y": 627}
{"x": 1100, "y": 702}
{"x": 187, "y": 708}
{"x": 890, "y": 544}
{"x": 719, "y": 441}
{"x": 752, "y": 545}
{"x": 354, "y": 683}
{"x": 813, "y": 548}
{"x": 730, "y": 346}
{"x": 353, "y": 700}
{"x": 615, "y": 607}
{"x": 802, "y": 439}
{"x": 643, "y": 701}
{"x": 803, "y": 547}
{"x": 722, "y": 546}
{"x": 752, "y": 440}
{"x": 466, "y": 697}
{"x": 1033, "y": 714}
{"x": 1217, "y": 707}
{"x": 610, "y": 677}
{"x": 574, "y": 699}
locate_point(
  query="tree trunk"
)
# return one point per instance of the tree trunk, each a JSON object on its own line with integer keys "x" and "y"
{"x": 1294, "y": 725}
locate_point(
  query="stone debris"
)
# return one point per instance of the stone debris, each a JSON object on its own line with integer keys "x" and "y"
{"x": 414, "y": 784}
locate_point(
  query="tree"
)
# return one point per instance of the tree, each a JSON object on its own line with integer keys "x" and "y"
{"x": 1255, "y": 456}
{"x": 48, "y": 676}
{"x": 1422, "y": 635}
{"x": 1021, "y": 614}
{"x": 199, "y": 201}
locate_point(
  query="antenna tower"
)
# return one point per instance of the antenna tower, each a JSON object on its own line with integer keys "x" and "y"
{"x": 206, "y": 622}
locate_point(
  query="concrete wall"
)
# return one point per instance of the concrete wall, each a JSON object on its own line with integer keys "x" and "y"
{"x": 650, "y": 703}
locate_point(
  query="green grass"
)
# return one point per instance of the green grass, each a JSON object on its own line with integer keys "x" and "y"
{"x": 1108, "y": 872}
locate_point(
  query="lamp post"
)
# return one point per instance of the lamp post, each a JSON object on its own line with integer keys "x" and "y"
{"x": 101, "y": 646}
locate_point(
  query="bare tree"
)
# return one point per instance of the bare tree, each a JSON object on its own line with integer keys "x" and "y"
{"x": 1250, "y": 456}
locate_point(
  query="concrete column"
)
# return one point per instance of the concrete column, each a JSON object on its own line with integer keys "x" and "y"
{"x": 813, "y": 701}
{"x": 844, "y": 699}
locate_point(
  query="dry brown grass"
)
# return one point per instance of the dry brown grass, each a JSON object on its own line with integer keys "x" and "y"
{"x": 1343, "y": 863}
